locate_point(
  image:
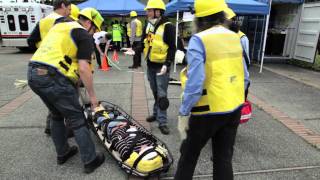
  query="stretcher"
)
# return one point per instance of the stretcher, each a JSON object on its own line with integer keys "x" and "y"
{"x": 138, "y": 164}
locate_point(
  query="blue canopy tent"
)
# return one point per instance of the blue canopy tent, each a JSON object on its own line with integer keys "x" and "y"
{"x": 240, "y": 7}
{"x": 283, "y": 1}
{"x": 243, "y": 7}
{"x": 114, "y": 7}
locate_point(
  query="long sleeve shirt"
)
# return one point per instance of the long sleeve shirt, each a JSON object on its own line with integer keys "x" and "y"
{"x": 245, "y": 46}
{"x": 133, "y": 37}
{"x": 196, "y": 75}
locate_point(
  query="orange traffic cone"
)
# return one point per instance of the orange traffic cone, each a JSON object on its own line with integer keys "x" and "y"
{"x": 104, "y": 64}
{"x": 115, "y": 56}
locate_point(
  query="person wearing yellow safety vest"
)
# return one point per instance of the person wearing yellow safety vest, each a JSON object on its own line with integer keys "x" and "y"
{"x": 213, "y": 92}
{"x": 61, "y": 11}
{"x": 134, "y": 31}
{"x": 159, "y": 51}
{"x": 234, "y": 26}
{"x": 116, "y": 35}
{"x": 61, "y": 61}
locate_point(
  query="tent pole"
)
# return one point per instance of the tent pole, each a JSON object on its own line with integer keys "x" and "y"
{"x": 254, "y": 40}
{"x": 177, "y": 28}
{"x": 265, "y": 37}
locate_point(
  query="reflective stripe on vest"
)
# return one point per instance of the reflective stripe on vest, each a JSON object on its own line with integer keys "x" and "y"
{"x": 116, "y": 32}
{"x": 138, "y": 28}
{"x": 46, "y": 24}
{"x": 158, "y": 48}
{"x": 223, "y": 89}
{"x": 59, "y": 50}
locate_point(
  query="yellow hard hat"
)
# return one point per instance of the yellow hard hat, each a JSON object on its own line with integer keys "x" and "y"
{"x": 74, "y": 12}
{"x": 133, "y": 14}
{"x": 208, "y": 7}
{"x": 93, "y": 15}
{"x": 155, "y": 4}
{"x": 229, "y": 13}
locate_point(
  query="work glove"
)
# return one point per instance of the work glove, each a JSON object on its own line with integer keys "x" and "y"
{"x": 163, "y": 70}
{"x": 183, "y": 126}
{"x": 20, "y": 84}
{"x": 128, "y": 51}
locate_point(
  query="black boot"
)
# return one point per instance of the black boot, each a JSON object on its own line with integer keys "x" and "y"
{"x": 164, "y": 129}
{"x": 151, "y": 118}
{"x": 47, "y": 131}
{"x": 90, "y": 167}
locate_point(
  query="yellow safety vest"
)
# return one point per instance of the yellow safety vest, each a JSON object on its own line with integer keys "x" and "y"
{"x": 46, "y": 24}
{"x": 116, "y": 32}
{"x": 223, "y": 89}
{"x": 241, "y": 34}
{"x": 154, "y": 41}
{"x": 138, "y": 28}
{"x": 59, "y": 50}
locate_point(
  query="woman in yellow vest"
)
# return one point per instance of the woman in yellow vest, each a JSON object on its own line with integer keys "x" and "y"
{"x": 159, "y": 51}
{"x": 213, "y": 92}
{"x": 55, "y": 69}
{"x": 134, "y": 31}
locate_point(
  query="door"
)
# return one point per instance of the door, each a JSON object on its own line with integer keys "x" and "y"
{"x": 308, "y": 33}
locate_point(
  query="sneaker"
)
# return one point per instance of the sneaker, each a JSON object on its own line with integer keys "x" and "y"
{"x": 90, "y": 167}
{"x": 151, "y": 118}
{"x": 164, "y": 129}
{"x": 62, "y": 159}
{"x": 47, "y": 131}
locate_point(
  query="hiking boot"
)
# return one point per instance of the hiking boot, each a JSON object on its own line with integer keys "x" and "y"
{"x": 151, "y": 118}
{"x": 72, "y": 151}
{"x": 164, "y": 129}
{"x": 47, "y": 131}
{"x": 90, "y": 167}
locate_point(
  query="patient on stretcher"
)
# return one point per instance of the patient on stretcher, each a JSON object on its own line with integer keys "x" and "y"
{"x": 134, "y": 144}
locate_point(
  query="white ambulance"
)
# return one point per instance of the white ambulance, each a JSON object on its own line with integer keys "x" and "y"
{"x": 17, "y": 20}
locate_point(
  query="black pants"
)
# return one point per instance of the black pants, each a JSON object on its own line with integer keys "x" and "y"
{"x": 136, "y": 46}
{"x": 222, "y": 130}
{"x": 116, "y": 45}
{"x": 98, "y": 57}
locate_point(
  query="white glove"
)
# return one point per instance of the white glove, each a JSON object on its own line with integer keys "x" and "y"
{"x": 128, "y": 51}
{"x": 183, "y": 126}
{"x": 162, "y": 71}
{"x": 20, "y": 84}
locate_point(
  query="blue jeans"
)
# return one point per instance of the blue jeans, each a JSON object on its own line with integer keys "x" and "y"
{"x": 62, "y": 99}
{"x": 159, "y": 87}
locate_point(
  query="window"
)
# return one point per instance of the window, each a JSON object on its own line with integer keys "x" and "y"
{"x": 12, "y": 24}
{"x": 23, "y": 22}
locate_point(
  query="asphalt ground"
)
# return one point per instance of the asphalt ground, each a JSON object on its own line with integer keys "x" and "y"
{"x": 265, "y": 148}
